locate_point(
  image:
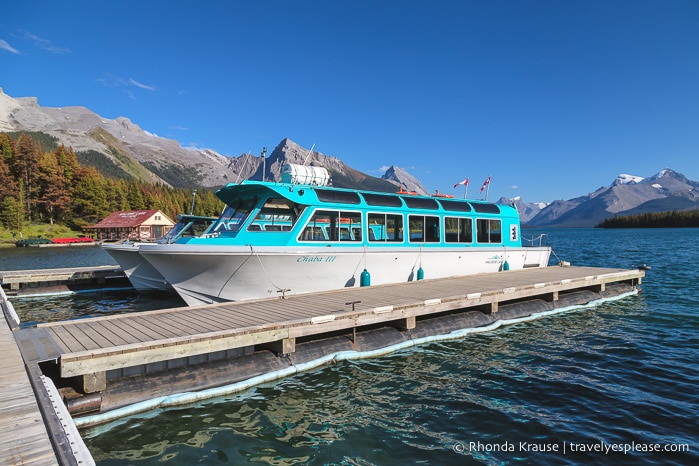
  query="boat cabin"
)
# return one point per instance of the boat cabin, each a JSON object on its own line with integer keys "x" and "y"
{"x": 270, "y": 213}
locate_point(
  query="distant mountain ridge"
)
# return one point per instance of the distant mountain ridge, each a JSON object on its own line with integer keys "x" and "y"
{"x": 141, "y": 155}
{"x": 138, "y": 154}
{"x": 626, "y": 195}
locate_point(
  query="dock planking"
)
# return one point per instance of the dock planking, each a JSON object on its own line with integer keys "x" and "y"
{"x": 19, "y": 282}
{"x": 24, "y": 439}
{"x": 90, "y": 347}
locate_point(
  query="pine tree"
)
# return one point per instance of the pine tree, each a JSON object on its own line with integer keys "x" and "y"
{"x": 26, "y": 160}
{"x": 90, "y": 202}
{"x": 8, "y": 186}
{"x": 54, "y": 196}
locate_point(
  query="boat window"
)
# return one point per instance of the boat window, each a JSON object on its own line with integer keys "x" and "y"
{"x": 333, "y": 225}
{"x": 423, "y": 228}
{"x": 458, "y": 230}
{"x": 233, "y": 216}
{"x": 420, "y": 202}
{"x": 485, "y": 208}
{"x": 340, "y": 197}
{"x": 277, "y": 214}
{"x": 488, "y": 230}
{"x": 384, "y": 200}
{"x": 385, "y": 227}
{"x": 455, "y": 206}
{"x": 186, "y": 227}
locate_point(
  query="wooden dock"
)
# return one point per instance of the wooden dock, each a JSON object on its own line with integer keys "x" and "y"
{"x": 24, "y": 438}
{"x": 23, "y": 282}
{"x": 88, "y": 348}
{"x": 86, "y": 354}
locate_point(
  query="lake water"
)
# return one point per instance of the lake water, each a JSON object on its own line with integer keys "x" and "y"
{"x": 582, "y": 386}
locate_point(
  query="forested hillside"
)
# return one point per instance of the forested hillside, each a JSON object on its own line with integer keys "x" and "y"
{"x": 674, "y": 219}
{"x": 53, "y": 187}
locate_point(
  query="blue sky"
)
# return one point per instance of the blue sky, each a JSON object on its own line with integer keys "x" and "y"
{"x": 552, "y": 98}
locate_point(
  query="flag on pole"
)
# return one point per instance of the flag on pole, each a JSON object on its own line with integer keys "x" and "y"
{"x": 465, "y": 183}
{"x": 486, "y": 183}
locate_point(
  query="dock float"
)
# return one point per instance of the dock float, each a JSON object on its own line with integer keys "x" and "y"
{"x": 104, "y": 363}
{"x": 26, "y": 282}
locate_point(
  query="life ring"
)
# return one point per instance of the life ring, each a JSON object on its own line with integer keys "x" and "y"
{"x": 401, "y": 191}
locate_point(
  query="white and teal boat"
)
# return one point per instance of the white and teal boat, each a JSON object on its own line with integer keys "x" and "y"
{"x": 142, "y": 275}
{"x": 301, "y": 235}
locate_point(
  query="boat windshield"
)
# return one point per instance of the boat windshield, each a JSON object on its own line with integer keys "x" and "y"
{"x": 188, "y": 226}
{"x": 234, "y": 216}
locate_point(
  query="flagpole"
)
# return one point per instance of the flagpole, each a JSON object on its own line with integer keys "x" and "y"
{"x": 465, "y": 190}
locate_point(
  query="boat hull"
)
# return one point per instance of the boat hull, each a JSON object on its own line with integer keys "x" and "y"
{"x": 232, "y": 273}
{"x": 142, "y": 275}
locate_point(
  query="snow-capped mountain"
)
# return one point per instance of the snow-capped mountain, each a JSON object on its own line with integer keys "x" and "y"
{"x": 139, "y": 154}
{"x": 666, "y": 190}
{"x": 627, "y": 179}
{"x": 527, "y": 210}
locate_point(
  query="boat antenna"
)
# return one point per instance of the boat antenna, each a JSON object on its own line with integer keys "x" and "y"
{"x": 264, "y": 162}
{"x": 309, "y": 153}
{"x": 194, "y": 198}
{"x": 245, "y": 164}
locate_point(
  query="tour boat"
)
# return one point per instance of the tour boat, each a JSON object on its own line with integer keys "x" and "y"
{"x": 301, "y": 235}
{"x": 142, "y": 275}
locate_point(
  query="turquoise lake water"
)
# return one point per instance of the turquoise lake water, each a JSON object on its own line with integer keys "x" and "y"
{"x": 582, "y": 386}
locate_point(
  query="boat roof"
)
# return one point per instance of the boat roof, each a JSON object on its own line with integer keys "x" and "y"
{"x": 319, "y": 195}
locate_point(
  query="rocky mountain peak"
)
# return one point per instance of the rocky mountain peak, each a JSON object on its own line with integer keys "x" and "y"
{"x": 666, "y": 190}
{"x": 403, "y": 179}
{"x": 627, "y": 179}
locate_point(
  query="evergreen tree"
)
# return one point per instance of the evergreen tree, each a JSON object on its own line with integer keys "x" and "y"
{"x": 26, "y": 160}
{"x": 67, "y": 160}
{"x": 54, "y": 197}
{"x": 116, "y": 195}
{"x": 12, "y": 213}
{"x": 8, "y": 186}
{"x": 7, "y": 150}
{"x": 90, "y": 203}
{"x": 135, "y": 197}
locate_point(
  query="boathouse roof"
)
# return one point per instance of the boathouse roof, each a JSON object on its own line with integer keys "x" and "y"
{"x": 133, "y": 218}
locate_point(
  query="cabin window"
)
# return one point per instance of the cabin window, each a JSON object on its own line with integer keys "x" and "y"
{"x": 385, "y": 227}
{"x": 455, "y": 206}
{"x": 333, "y": 225}
{"x": 424, "y": 228}
{"x": 420, "y": 203}
{"x": 488, "y": 230}
{"x": 331, "y": 195}
{"x": 277, "y": 214}
{"x": 458, "y": 230}
{"x": 485, "y": 208}
{"x": 234, "y": 216}
{"x": 384, "y": 200}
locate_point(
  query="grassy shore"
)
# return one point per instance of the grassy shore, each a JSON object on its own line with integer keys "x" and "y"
{"x": 37, "y": 230}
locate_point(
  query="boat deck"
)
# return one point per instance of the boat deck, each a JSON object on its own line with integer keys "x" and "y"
{"x": 90, "y": 347}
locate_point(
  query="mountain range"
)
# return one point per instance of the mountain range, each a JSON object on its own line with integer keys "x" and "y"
{"x": 121, "y": 148}
{"x": 667, "y": 190}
